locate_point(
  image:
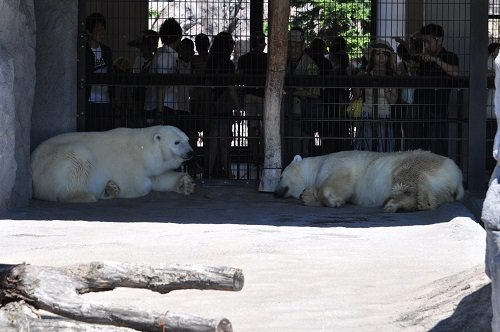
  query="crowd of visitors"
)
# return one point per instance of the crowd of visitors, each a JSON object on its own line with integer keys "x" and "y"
{"x": 318, "y": 119}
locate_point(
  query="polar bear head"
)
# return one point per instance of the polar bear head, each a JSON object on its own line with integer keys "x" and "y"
{"x": 292, "y": 181}
{"x": 173, "y": 145}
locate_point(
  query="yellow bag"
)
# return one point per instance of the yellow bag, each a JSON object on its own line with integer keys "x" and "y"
{"x": 355, "y": 108}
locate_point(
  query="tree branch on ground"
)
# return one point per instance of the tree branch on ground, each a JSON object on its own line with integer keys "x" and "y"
{"x": 58, "y": 290}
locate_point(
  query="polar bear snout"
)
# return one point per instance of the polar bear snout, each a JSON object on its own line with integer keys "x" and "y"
{"x": 188, "y": 155}
{"x": 281, "y": 191}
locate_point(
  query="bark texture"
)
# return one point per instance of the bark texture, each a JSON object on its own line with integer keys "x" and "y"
{"x": 278, "y": 44}
{"x": 58, "y": 289}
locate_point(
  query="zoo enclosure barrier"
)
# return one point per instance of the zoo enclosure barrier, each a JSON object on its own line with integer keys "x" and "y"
{"x": 326, "y": 127}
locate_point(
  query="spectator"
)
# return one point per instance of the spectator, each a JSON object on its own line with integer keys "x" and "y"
{"x": 123, "y": 105}
{"x": 199, "y": 61}
{"x": 338, "y": 98}
{"x": 406, "y": 110}
{"x": 323, "y": 125}
{"x": 300, "y": 103}
{"x": 162, "y": 105}
{"x": 338, "y": 55}
{"x": 199, "y": 65}
{"x": 147, "y": 45}
{"x": 374, "y": 132}
{"x": 433, "y": 103}
{"x": 221, "y": 101}
{"x": 99, "y": 59}
{"x": 184, "y": 66}
{"x": 254, "y": 63}
{"x": 185, "y": 120}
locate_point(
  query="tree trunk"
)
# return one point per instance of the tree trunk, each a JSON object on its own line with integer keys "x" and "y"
{"x": 278, "y": 45}
{"x": 58, "y": 290}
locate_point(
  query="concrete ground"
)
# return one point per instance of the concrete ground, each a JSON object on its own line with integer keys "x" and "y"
{"x": 305, "y": 268}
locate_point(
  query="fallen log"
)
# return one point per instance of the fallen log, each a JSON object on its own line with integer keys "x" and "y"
{"x": 58, "y": 289}
{"x": 20, "y": 316}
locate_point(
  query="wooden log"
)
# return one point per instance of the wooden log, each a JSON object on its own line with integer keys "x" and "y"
{"x": 20, "y": 316}
{"x": 58, "y": 290}
{"x": 278, "y": 44}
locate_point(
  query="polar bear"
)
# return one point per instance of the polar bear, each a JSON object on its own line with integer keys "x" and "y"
{"x": 123, "y": 162}
{"x": 399, "y": 181}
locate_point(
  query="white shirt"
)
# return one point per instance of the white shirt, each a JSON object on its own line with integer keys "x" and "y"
{"x": 164, "y": 62}
{"x": 182, "y": 102}
{"x": 99, "y": 93}
{"x": 138, "y": 63}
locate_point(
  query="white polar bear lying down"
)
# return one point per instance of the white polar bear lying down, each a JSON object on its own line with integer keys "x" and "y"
{"x": 87, "y": 166}
{"x": 400, "y": 181}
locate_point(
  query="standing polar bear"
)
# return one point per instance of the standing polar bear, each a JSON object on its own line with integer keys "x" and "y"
{"x": 123, "y": 162}
{"x": 400, "y": 181}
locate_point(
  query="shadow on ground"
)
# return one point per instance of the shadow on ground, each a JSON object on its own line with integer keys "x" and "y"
{"x": 473, "y": 314}
{"x": 234, "y": 203}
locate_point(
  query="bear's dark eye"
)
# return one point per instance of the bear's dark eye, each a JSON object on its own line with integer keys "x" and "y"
{"x": 177, "y": 142}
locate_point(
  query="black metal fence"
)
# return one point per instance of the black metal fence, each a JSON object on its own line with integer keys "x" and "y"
{"x": 411, "y": 101}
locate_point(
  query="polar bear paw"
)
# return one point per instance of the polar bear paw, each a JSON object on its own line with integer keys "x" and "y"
{"x": 112, "y": 190}
{"x": 185, "y": 185}
{"x": 310, "y": 197}
{"x": 391, "y": 206}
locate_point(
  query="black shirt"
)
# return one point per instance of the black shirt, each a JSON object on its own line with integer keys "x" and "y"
{"x": 254, "y": 63}
{"x": 435, "y": 99}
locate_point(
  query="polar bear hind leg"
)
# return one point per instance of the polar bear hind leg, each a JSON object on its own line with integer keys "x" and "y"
{"x": 441, "y": 187}
{"x": 426, "y": 199}
{"x": 63, "y": 176}
{"x": 178, "y": 182}
{"x": 335, "y": 191}
{"x": 403, "y": 198}
{"x": 430, "y": 198}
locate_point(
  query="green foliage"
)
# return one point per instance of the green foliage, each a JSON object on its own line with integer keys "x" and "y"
{"x": 327, "y": 18}
{"x": 153, "y": 13}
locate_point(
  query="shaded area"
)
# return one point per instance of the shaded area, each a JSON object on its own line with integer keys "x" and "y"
{"x": 221, "y": 202}
{"x": 458, "y": 303}
{"x": 473, "y": 314}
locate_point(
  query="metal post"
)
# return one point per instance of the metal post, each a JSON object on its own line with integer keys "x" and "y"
{"x": 478, "y": 95}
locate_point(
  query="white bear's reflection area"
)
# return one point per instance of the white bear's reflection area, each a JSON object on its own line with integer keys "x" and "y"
{"x": 123, "y": 162}
{"x": 398, "y": 181}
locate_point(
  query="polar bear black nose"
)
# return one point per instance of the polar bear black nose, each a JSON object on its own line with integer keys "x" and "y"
{"x": 281, "y": 191}
{"x": 189, "y": 154}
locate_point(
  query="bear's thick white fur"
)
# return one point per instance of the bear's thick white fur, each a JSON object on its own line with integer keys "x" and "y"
{"x": 123, "y": 162}
{"x": 399, "y": 181}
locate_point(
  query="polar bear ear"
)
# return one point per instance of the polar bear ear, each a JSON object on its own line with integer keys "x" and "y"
{"x": 296, "y": 158}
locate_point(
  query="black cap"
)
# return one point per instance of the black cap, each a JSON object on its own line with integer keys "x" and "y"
{"x": 432, "y": 29}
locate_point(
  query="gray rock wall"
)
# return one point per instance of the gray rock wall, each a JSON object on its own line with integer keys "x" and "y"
{"x": 54, "y": 110}
{"x": 491, "y": 219}
{"x": 491, "y": 216}
{"x": 17, "y": 87}
{"x": 37, "y": 85}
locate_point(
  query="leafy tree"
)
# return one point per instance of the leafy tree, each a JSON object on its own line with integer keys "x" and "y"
{"x": 327, "y": 18}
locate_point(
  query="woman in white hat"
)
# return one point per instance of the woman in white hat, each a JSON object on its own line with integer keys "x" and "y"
{"x": 377, "y": 133}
